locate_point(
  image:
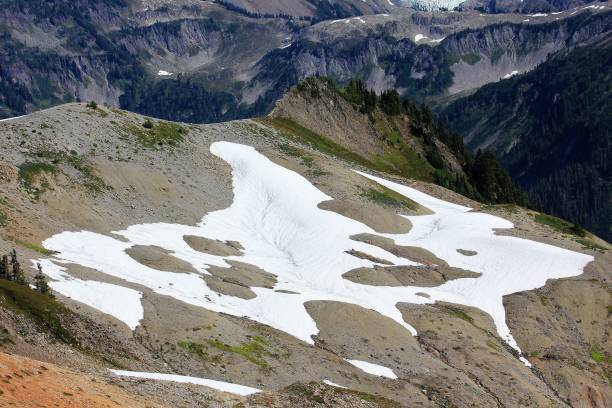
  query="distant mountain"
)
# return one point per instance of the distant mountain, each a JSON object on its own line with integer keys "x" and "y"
{"x": 311, "y": 9}
{"x": 201, "y": 61}
{"x": 525, "y": 6}
{"x": 552, "y": 128}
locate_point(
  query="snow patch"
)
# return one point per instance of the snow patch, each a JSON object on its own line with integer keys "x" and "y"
{"x": 333, "y": 384}
{"x": 163, "y": 73}
{"x": 117, "y": 301}
{"x": 511, "y": 74}
{"x": 13, "y": 118}
{"x": 217, "y": 385}
{"x": 373, "y": 369}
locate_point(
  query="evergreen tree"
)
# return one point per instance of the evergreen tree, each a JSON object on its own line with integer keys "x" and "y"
{"x": 390, "y": 102}
{"x": 40, "y": 281}
{"x": 17, "y": 274}
{"x": 4, "y": 267}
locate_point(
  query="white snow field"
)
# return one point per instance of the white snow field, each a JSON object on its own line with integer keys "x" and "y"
{"x": 118, "y": 301}
{"x": 217, "y": 385}
{"x": 275, "y": 217}
{"x": 374, "y": 369}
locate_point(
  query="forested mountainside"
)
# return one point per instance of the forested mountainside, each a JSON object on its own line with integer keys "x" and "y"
{"x": 551, "y": 128}
{"x": 208, "y": 61}
{"x": 394, "y": 135}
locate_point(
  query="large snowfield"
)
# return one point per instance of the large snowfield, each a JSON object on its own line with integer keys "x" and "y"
{"x": 274, "y": 216}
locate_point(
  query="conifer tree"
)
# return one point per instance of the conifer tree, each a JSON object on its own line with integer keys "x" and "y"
{"x": 17, "y": 275}
{"x": 4, "y": 267}
{"x": 40, "y": 281}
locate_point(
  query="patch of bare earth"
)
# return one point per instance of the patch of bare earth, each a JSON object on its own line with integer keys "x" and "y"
{"x": 30, "y": 383}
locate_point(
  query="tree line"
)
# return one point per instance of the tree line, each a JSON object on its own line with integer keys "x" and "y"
{"x": 11, "y": 270}
{"x": 484, "y": 178}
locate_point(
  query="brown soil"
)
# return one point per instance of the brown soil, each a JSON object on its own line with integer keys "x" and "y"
{"x": 426, "y": 276}
{"x": 30, "y": 383}
{"x": 213, "y": 247}
{"x": 159, "y": 258}
{"x": 226, "y": 287}
{"x": 244, "y": 274}
{"x": 379, "y": 219}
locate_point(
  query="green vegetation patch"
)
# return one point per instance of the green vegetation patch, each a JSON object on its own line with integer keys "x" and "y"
{"x": 254, "y": 350}
{"x": 458, "y": 313}
{"x": 29, "y": 171}
{"x": 29, "y": 174}
{"x": 2, "y": 219}
{"x": 299, "y": 133}
{"x": 35, "y": 248}
{"x": 560, "y": 225}
{"x": 158, "y": 134}
{"x": 307, "y": 159}
{"x": 92, "y": 182}
{"x": 402, "y": 162}
{"x": 194, "y": 348}
{"x": 492, "y": 345}
{"x": 588, "y": 244}
{"x": 400, "y": 157}
{"x": 387, "y": 197}
{"x": 406, "y": 162}
{"x": 45, "y": 311}
{"x": 597, "y": 355}
{"x": 509, "y": 208}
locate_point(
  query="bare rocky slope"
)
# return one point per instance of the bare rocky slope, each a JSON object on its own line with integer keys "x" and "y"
{"x": 77, "y": 168}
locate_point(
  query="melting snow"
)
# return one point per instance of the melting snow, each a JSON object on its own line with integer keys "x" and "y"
{"x": 373, "y": 369}
{"x": 13, "y": 118}
{"x": 333, "y": 384}
{"x": 511, "y": 74}
{"x": 217, "y": 385}
{"x": 419, "y": 37}
{"x": 275, "y": 218}
{"x": 508, "y": 264}
{"x": 118, "y": 301}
